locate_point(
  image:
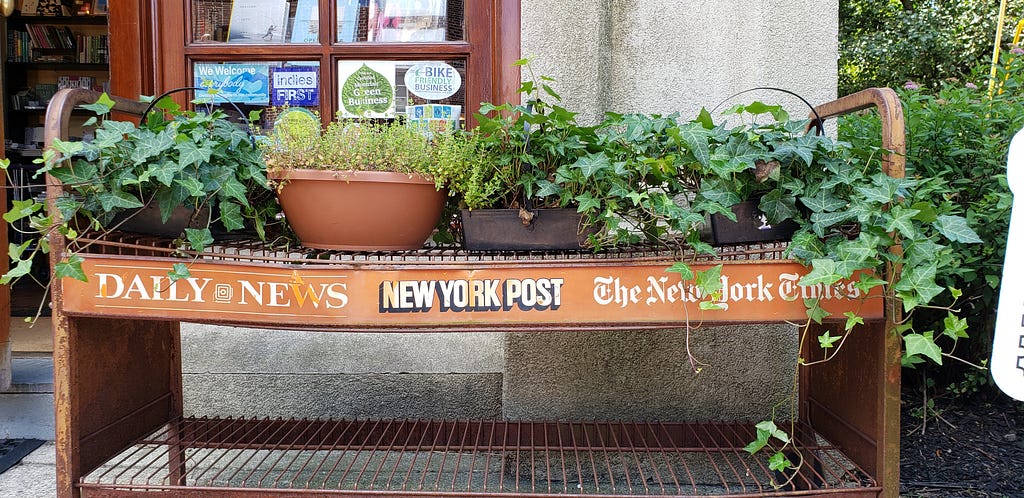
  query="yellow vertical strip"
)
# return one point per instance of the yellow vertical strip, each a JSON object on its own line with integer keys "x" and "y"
{"x": 995, "y": 48}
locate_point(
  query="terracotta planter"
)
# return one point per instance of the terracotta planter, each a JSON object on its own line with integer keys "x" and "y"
{"x": 751, "y": 225}
{"x": 359, "y": 210}
{"x": 503, "y": 229}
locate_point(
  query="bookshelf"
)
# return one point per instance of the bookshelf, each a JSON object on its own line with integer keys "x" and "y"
{"x": 41, "y": 55}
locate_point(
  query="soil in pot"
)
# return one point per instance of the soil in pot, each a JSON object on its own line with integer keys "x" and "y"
{"x": 359, "y": 210}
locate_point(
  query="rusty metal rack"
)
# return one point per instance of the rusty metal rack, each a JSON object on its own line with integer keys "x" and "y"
{"x": 459, "y": 457}
{"x": 121, "y": 430}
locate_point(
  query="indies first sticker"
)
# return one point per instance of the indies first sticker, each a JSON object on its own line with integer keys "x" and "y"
{"x": 295, "y": 86}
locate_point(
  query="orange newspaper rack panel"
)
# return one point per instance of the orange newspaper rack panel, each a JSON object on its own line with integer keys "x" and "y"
{"x": 438, "y": 296}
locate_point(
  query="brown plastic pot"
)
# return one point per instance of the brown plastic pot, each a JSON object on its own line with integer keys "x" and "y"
{"x": 359, "y": 210}
{"x": 751, "y": 225}
{"x": 504, "y": 230}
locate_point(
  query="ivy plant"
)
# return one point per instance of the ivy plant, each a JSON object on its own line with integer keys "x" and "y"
{"x": 198, "y": 159}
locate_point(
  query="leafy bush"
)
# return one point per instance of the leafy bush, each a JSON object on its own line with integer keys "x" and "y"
{"x": 957, "y": 140}
{"x": 887, "y": 42}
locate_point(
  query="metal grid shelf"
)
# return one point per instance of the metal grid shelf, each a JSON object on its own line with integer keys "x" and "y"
{"x": 245, "y": 250}
{"x": 274, "y": 457}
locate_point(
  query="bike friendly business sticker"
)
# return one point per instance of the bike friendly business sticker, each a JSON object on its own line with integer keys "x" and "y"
{"x": 433, "y": 80}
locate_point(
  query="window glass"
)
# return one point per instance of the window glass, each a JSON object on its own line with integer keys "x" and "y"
{"x": 298, "y": 21}
{"x": 424, "y": 90}
{"x": 244, "y": 86}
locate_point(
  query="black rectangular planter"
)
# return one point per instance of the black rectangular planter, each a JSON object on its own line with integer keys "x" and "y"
{"x": 502, "y": 229}
{"x": 751, "y": 225}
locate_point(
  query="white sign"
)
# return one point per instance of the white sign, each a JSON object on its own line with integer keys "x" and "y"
{"x": 433, "y": 80}
{"x": 1008, "y": 343}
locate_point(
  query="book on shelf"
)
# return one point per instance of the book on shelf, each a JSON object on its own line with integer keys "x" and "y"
{"x": 76, "y": 81}
{"x": 29, "y": 7}
{"x": 258, "y": 21}
{"x": 408, "y": 20}
{"x": 348, "y": 19}
{"x": 51, "y": 37}
{"x": 306, "y": 26}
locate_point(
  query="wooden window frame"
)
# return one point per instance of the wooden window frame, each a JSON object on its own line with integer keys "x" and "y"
{"x": 491, "y": 45}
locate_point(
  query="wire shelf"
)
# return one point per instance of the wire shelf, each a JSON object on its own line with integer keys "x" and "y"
{"x": 469, "y": 457}
{"x": 245, "y": 250}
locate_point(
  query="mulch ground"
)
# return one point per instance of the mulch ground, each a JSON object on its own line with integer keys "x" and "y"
{"x": 973, "y": 448}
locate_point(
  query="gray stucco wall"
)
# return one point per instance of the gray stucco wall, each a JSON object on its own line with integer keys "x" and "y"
{"x": 662, "y": 56}
{"x": 653, "y": 56}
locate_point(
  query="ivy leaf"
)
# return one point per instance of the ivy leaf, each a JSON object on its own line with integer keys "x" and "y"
{"x": 24, "y": 267}
{"x": 852, "y": 320}
{"x": 117, "y": 199}
{"x": 70, "y": 267}
{"x": 234, "y": 189}
{"x": 198, "y": 238}
{"x": 827, "y": 340}
{"x": 704, "y": 118}
{"x": 778, "y": 462}
{"x": 827, "y": 220}
{"x": 917, "y": 285}
{"x": 696, "y": 139}
{"x": 954, "y": 327}
{"x": 231, "y": 216}
{"x": 683, "y": 269}
{"x": 823, "y": 271}
{"x": 778, "y": 206}
{"x": 547, "y": 188}
{"x": 591, "y": 164}
{"x": 924, "y": 345}
{"x": 772, "y": 430}
{"x": 711, "y": 306}
{"x": 192, "y": 154}
{"x": 103, "y": 105}
{"x": 901, "y": 220}
{"x": 152, "y": 146}
{"x": 822, "y": 201}
{"x": 587, "y": 202}
{"x": 815, "y": 311}
{"x": 179, "y": 271}
{"x": 22, "y": 209}
{"x": 192, "y": 185}
{"x": 955, "y": 228}
{"x": 709, "y": 281}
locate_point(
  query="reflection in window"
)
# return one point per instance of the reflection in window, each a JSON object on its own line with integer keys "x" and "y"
{"x": 399, "y": 20}
{"x": 298, "y": 21}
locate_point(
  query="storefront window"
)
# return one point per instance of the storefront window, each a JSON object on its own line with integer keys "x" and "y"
{"x": 395, "y": 56}
{"x": 298, "y": 21}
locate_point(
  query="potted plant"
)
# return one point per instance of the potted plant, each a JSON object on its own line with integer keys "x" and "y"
{"x": 173, "y": 158}
{"x": 359, "y": 185}
{"x": 499, "y": 173}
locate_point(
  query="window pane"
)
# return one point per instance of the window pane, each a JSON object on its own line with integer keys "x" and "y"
{"x": 260, "y": 85}
{"x": 399, "y": 20}
{"x": 255, "y": 21}
{"x": 388, "y": 89}
{"x": 298, "y": 21}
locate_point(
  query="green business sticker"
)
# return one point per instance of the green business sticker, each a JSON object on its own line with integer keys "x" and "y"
{"x": 367, "y": 92}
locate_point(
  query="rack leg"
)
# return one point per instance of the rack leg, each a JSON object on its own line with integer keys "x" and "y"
{"x": 114, "y": 381}
{"x": 853, "y": 399}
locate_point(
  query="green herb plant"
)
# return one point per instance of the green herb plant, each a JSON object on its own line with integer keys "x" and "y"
{"x": 175, "y": 157}
{"x": 346, "y": 145}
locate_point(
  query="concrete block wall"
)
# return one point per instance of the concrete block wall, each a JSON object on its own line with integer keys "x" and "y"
{"x": 654, "y": 56}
